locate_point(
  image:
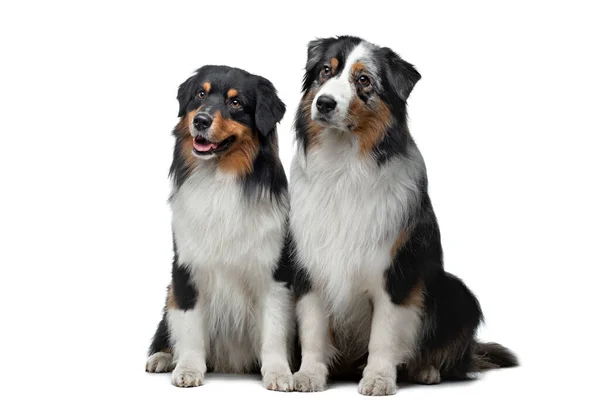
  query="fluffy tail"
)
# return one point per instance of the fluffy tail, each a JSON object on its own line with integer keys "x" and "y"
{"x": 492, "y": 355}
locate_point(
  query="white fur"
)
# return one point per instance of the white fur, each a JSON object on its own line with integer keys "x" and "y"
{"x": 277, "y": 322}
{"x": 159, "y": 362}
{"x": 189, "y": 336}
{"x": 313, "y": 326}
{"x": 393, "y": 337}
{"x": 346, "y": 213}
{"x": 231, "y": 245}
{"x": 340, "y": 87}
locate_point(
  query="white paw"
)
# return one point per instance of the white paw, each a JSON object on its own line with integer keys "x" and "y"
{"x": 377, "y": 384}
{"x": 310, "y": 380}
{"x": 159, "y": 362}
{"x": 187, "y": 376}
{"x": 428, "y": 376}
{"x": 278, "y": 378}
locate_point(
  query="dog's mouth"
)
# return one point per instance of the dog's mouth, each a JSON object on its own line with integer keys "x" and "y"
{"x": 204, "y": 147}
{"x": 328, "y": 122}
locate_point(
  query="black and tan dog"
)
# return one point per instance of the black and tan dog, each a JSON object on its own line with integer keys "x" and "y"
{"x": 371, "y": 282}
{"x": 229, "y": 304}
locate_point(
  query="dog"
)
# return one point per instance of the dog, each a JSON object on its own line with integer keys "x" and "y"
{"x": 369, "y": 274}
{"x": 229, "y": 305}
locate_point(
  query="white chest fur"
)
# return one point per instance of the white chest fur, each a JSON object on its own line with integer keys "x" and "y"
{"x": 216, "y": 226}
{"x": 346, "y": 213}
{"x": 231, "y": 245}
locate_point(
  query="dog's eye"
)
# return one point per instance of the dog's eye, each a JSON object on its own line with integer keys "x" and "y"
{"x": 364, "y": 80}
{"x": 202, "y": 94}
{"x": 235, "y": 103}
{"x": 326, "y": 71}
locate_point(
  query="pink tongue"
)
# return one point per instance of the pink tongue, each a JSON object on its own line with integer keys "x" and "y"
{"x": 203, "y": 147}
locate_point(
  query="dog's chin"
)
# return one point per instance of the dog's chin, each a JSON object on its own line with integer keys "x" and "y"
{"x": 332, "y": 123}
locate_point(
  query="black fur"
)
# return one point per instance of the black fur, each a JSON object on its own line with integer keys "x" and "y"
{"x": 160, "y": 340}
{"x": 268, "y": 175}
{"x": 302, "y": 284}
{"x": 398, "y": 80}
{"x": 301, "y": 127}
{"x": 291, "y": 270}
{"x": 269, "y": 108}
{"x": 285, "y": 265}
{"x": 184, "y": 292}
{"x": 179, "y": 171}
{"x": 494, "y": 355}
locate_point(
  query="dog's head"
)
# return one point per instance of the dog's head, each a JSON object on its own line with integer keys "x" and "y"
{"x": 223, "y": 112}
{"x": 353, "y": 85}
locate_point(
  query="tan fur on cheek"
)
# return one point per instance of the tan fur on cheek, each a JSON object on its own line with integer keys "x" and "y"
{"x": 357, "y": 68}
{"x": 371, "y": 123}
{"x": 185, "y": 138}
{"x": 313, "y": 129}
{"x": 239, "y": 158}
{"x": 222, "y": 128}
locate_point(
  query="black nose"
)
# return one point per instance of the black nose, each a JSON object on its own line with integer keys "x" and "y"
{"x": 326, "y": 104}
{"x": 202, "y": 121}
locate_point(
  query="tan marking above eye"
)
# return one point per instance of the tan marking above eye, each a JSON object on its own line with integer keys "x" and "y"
{"x": 334, "y": 65}
{"x": 206, "y": 86}
{"x": 232, "y": 93}
{"x": 358, "y": 67}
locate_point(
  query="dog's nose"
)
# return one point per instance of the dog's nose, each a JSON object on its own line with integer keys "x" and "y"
{"x": 202, "y": 121}
{"x": 326, "y": 104}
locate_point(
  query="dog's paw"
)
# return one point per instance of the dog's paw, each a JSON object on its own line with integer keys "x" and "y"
{"x": 159, "y": 362}
{"x": 278, "y": 378}
{"x": 427, "y": 376}
{"x": 187, "y": 376}
{"x": 310, "y": 380}
{"x": 377, "y": 384}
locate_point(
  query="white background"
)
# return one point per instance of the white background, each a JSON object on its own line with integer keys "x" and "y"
{"x": 506, "y": 116}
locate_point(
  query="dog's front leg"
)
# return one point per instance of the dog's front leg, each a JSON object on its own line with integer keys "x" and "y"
{"x": 187, "y": 330}
{"x": 394, "y": 332}
{"x": 277, "y": 322}
{"x": 313, "y": 327}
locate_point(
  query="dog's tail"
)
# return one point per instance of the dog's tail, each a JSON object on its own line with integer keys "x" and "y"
{"x": 492, "y": 355}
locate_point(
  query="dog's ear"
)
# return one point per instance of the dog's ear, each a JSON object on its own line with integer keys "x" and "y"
{"x": 269, "y": 107}
{"x": 316, "y": 48}
{"x": 401, "y": 75}
{"x": 315, "y": 52}
{"x": 185, "y": 94}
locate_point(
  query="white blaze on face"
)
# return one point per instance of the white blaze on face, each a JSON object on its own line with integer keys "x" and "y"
{"x": 341, "y": 88}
